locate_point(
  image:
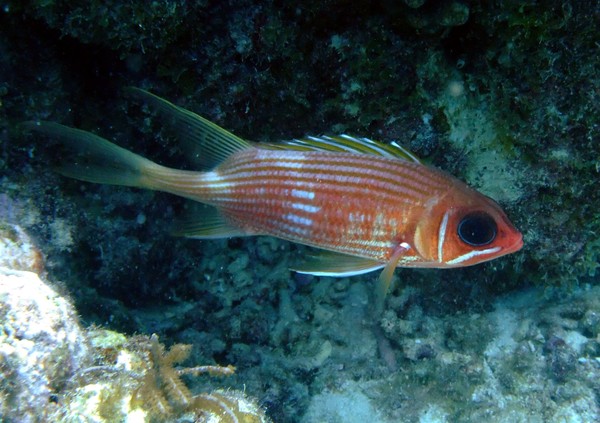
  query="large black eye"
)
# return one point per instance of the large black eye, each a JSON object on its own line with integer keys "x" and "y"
{"x": 477, "y": 229}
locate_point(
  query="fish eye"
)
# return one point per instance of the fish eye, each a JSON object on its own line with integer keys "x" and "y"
{"x": 477, "y": 229}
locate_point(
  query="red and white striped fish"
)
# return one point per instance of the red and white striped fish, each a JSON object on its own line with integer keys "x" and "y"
{"x": 369, "y": 205}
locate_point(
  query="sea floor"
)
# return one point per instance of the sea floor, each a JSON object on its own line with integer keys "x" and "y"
{"x": 533, "y": 356}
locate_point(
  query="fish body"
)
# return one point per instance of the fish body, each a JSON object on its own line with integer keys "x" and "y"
{"x": 369, "y": 205}
{"x": 353, "y": 204}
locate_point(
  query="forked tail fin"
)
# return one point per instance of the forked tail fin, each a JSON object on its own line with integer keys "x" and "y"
{"x": 96, "y": 159}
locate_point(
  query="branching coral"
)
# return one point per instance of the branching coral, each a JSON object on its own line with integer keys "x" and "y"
{"x": 166, "y": 394}
{"x": 145, "y": 385}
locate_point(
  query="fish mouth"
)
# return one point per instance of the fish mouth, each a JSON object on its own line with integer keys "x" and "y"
{"x": 516, "y": 245}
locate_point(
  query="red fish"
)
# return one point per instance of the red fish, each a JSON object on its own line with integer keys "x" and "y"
{"x": 368, "y": 205}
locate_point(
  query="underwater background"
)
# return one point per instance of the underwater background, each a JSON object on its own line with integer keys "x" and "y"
{"x": 505, "y": 95}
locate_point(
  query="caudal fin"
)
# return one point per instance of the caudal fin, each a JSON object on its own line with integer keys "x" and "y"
{"x": 96, "y": 159}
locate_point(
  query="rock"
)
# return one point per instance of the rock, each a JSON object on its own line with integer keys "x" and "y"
{"x": 41, "y": 345}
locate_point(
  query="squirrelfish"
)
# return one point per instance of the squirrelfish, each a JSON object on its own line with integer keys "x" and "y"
{"x": 368, "y": 205}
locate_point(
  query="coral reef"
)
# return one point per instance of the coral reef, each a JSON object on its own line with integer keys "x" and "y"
{"x": 51, "y": 369}
{"x": 166, "y": 394}
{"x": 42, "y": 344}
{"x": 136, "y": 380}
{"x": 504, "y": 95}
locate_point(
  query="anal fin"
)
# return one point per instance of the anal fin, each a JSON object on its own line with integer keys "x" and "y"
{"x": 202, "y": 221}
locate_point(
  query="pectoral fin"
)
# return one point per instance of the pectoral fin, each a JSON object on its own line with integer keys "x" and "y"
{"x": 385, "y": 278}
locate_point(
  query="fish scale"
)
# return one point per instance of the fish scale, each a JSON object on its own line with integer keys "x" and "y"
{"x": 381, "y": 181}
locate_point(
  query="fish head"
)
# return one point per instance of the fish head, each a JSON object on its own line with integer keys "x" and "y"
{"x": 465, "y": 228}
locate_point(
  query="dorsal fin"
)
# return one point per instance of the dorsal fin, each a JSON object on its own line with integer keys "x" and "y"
{"x": 348, "y": 144}
{"x": 206, "y": 143}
